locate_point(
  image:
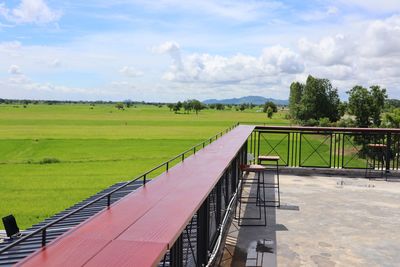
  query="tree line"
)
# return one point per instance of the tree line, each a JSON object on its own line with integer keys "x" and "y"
{"x": 317, "y": 103}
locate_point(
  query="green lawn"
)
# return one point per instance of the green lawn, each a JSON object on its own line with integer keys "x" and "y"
{"x": 95, "y": 148}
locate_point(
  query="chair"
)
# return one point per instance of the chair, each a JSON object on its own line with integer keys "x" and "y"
{"x": 377, "y": 158}
{"x": 244, "y": 179}
{"x": 274, "y": 185}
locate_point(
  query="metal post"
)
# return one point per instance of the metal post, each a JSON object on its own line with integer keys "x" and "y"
{"x": 176, "y": 253}
{"x": 144, "y": 179}
{"x": 258, "y": 147}
{"x": 388, "y": 146}
{"x": 108, "y": 200}
{"x": 167, "y": 167}
{"x": 234, "y": 169}
{"x": 219, "y": 204}
{"x": 44, "y": 237}
{"x": 203, "y": 233}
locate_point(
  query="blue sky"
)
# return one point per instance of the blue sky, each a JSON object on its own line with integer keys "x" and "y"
{"x": 173, "y": 50}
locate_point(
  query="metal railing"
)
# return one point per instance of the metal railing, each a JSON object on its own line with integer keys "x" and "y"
{"x": 165, "y": 165}
{"x": 199, "y": 242}
{"x": 328, "y": 147}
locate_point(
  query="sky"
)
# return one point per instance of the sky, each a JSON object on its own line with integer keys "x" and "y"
{"x": 172, "y": 50}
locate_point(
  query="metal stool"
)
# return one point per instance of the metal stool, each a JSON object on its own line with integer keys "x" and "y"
{"x": 258, "y": 171}
{"x": 274, "y": 184}
{"x": 377, "y": 155}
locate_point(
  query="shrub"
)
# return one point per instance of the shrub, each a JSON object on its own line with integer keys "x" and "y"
{"x": 310, "y": 122}
{"x": 348, "y": 122}
{"x": 324, "y": 122}
{"x": 49, "y": 161}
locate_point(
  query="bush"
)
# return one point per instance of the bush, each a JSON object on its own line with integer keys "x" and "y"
{"x": 324, "y": 122}
{"x": 346, "y": 123}
{"x": 49, "y": 161}
{"x": 310, "y": 122}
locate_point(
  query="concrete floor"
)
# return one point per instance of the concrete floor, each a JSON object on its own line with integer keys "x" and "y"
{"x": 323, "y": 221}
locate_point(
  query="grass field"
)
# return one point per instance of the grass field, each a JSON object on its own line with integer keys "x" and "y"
{"x": 92, "y": 149}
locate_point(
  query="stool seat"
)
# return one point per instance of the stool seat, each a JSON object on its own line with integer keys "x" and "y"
{"x": 268, "y": 158}
{"x": 376, "y": 146}
{"x": 254, "y": 168}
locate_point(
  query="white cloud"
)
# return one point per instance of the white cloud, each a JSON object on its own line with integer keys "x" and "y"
{"x": 130, "y": 72}
{"x": 382, "y": 37}
{"x": 373, "y": 5}
{"x": 14, "y": 70}
{"x": 30, "y": 11}
{"x": 249, "y": 10}
{"x": 328, "y": 51}
{"x": 237, "y": 69}
{"x": 283, "y": 59}
{"x": 315, "y": 15}
{"x": 56, "y": 63}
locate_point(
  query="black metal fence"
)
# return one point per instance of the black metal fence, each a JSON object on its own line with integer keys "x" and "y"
{"x": 327, "y": 147}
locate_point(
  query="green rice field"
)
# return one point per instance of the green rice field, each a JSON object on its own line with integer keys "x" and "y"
{"x": 53, "y": 156}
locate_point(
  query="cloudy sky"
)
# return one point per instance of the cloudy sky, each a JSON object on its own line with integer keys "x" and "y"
{"x": 172, "y": 50}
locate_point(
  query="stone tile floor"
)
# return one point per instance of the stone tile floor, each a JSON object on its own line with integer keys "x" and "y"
{"x": 322, "y": 221}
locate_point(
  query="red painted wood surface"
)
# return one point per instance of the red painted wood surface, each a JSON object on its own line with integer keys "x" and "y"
{"x": 144, "y": 224}
{"x": 120, "y": 253}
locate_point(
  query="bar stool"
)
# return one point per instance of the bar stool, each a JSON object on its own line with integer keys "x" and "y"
{"x": 258, "y": 171}
{"x": 274, "y": 185}
{"x": 377, "y": 155}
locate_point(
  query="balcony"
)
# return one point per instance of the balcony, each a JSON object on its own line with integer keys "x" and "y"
{"x": 186, "y": 215}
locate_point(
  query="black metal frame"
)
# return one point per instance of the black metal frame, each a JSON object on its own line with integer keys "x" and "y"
{"x": 336, "y": 138}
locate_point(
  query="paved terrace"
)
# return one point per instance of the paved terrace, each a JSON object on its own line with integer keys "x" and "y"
{"x": 323, "y": 221}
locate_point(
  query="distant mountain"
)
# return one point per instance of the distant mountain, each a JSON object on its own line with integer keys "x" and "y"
{"x": 256, "y": 100}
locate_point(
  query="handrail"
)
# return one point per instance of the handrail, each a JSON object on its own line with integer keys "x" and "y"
{"x": 107, "y": 195}
{"x": 329, "y": 129}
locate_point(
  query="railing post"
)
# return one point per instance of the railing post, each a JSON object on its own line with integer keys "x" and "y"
{"x": 167, "y": 166}
{"x": 44, "y": 237}
{"x": 108, "y": 200}
{"x": 203, "y": 233}
{"x": 388, "y": 147}
{"x": 176, "y": 253}
{"x": 219, "y": 204}
{"x": 183, "y": 156}
{"x": 234, "y": 172}
{"x": 144, "y": 179}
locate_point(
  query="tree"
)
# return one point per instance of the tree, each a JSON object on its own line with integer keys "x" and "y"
{"x": 392, "y": 119}
{"x": 296, "y": 92}
{"x": 119, "y": 105}
{"x": 271, "y": 105}
{"x": 389, "y": 103}
{"x": 187, "y": 106}
{"x": 170, "y": 106}
{"x": 378, "y": 101}
{"x": 177, "y": 107}
{"x": 270, "y": 112}
{"x": 367, "y": 105}
{"x": 242, "y": 107}
{"x": 128, "y": 103}
{"x": 319, "y": 99}
{"x": 196, "y": 105}
{"x": 219, "y": 106}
